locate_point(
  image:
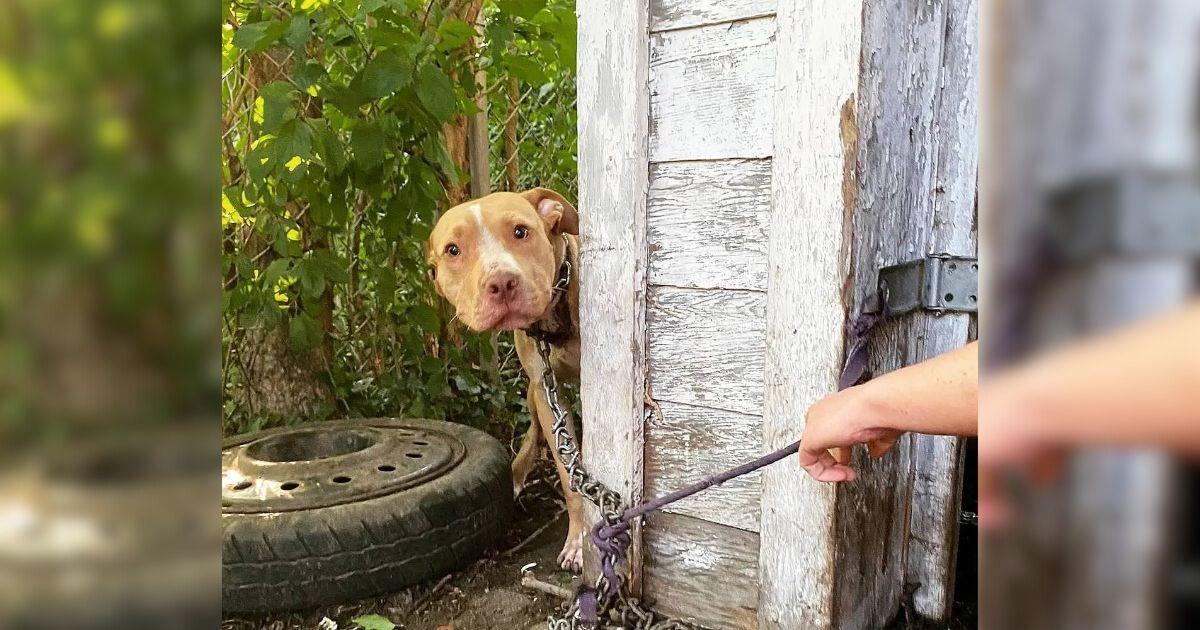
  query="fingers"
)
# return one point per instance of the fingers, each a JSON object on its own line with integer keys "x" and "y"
{"x": 822, "y": 466}
{"x": 842, "y": 454}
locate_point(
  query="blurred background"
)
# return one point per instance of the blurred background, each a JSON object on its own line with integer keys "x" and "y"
{"x": 125, "y": 126}
{"x": 1091, "y": 337}
{"x": 137, "y": 328}
{"x": 109, "y": 353}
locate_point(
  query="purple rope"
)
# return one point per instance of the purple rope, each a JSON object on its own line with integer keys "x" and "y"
{"x": 612, "y": 540}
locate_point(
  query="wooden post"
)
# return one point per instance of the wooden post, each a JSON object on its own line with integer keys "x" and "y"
{"x": 813, "y": 173}
{"x": 512, "y": 170}
{"x": 918, "y": 116}
{"x": 479, "y": 145}
{"x": 936, "y": 491}
{"x": 613, "y": 184}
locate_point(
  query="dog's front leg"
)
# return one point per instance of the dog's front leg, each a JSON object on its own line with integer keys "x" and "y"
{"x": 571, "y": 557}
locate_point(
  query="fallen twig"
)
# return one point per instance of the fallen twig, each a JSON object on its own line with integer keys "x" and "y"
{"x": 420, "y": 604}
{"x": 528, "y": 581}
{"x": 535, "y": 534}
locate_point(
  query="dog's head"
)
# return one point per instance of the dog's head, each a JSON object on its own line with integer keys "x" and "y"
{"x": 494, "y": 258}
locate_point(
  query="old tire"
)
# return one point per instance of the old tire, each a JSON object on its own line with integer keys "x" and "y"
{"x": 421, "y": 500}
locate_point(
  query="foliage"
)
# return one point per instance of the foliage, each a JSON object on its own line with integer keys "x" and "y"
{"x": 105, "y": 317}
{"x": 334, "y": 170}
{"x": 374, "y": 622}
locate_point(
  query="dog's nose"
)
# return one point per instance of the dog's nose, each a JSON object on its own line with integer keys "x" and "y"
{"x": 501, "y": 286}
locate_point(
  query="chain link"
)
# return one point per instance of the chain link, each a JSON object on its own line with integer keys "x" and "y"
{"x": 614, "y": 603}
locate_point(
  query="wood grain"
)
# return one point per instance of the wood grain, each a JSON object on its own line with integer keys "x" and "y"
{"x": 702, "y": 572}
{"x": 817, "y": 78}
{"x": 708, "y": 224}
{"x": 916, "y": 195}
{"x": 613, "y": 172}
{"x": 710, "y": 91}
{"x": 706, "y": 347}
{"x": 689, "y": 443}
{"x": 675, "y": 14}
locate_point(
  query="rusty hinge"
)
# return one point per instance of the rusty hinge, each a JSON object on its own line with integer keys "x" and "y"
{"x": 938, "y": 282}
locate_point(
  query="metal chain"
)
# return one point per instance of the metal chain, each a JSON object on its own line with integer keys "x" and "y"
{"x": 623, "y": 610}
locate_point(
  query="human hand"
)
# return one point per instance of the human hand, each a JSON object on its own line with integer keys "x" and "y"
{"x": 840, "y": 421}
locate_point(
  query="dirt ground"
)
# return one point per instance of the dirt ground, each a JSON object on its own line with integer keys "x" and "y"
{"x": 485, "y": 596}
{"x": 488, "y": 595}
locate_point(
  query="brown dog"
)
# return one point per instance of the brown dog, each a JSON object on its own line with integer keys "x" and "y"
{"x": 496, "y": 260}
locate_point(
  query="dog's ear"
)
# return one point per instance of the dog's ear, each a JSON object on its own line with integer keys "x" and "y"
{"x": 557, "y": 213}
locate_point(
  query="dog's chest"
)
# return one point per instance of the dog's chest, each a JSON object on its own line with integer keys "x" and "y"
{"x": 564, "y": 360}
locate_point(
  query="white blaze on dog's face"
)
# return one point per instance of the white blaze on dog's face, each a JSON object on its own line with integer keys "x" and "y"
{"x": 493, "y": 258}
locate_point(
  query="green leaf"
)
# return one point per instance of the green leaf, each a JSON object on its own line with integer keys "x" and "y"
{"x": 319, "y": 209}
{"x": 304, "y": 332}
{"x": 277, "y": 101}
{"x": 395, "y": 218}
{"x": 436, "y": 93}
{"x": 374, "y": 622}
{"x": 370, "y": 6}
{"x": 390, "y": 36}
{"x": 312, "y": 281}
{"x": 436, "y": 151}
{"x": 281, "y": 243}
{"x": 274, "y": 272}
{"x": 257, "y": 36}
{"x": 526, "y": 69}
{"x": 294, "y": 140}
{"x": 331, "y": 265}
{"x": 499, "y": 32}
{"x": 386, "y": 74}
{"x": 368, "y": 144}
{"x": 521, "y": 8}
{"x": 385, "y": 287}
{"x": 299, "y": 32}
{"x": 329, "y": 146}
{"x": 432, "y": 365}
{"x": 426, "y": 317}
{"x": 308, "y": 74}
{"x": 454, "y": 33}
{"x": 344, "y": 98}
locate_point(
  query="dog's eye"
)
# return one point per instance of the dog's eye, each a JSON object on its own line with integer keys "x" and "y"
{"x": 520, "y": 231}
{"x": 452, "y": 249}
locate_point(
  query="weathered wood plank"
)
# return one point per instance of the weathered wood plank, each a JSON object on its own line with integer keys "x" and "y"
{"x": 673, "y": 14}
{"x": 937, "y": 482}
{"x": 710, "y": 91}
{"x": 817, "y": 78}
{"x": 706, "y": 347}
{"x": 702, "y": 572}
{"x": 613, "y": 180}
{"x": 708, "y": 224}
{"x": 917, "y": 162}
{"x": 689, "y": 443}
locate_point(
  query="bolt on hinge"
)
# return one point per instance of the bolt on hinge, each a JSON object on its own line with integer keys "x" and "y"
{"x": 938, "y": 282}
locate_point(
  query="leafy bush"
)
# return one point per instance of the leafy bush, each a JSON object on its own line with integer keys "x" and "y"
{"x": 336, "y": 162}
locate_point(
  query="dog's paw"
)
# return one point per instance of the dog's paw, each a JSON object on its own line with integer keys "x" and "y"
{"x": 571, "y": 556}
{"x": 517, "y": 488}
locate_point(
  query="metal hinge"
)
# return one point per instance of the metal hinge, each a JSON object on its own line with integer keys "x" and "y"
{"x": 1140, "y": 214}
{"x": 938, "y": 282}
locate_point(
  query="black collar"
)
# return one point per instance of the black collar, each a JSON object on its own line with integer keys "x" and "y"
{"x": 556, "y": 328}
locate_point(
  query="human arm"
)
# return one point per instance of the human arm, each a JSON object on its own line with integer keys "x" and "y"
{"x": 936, "y": 396}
